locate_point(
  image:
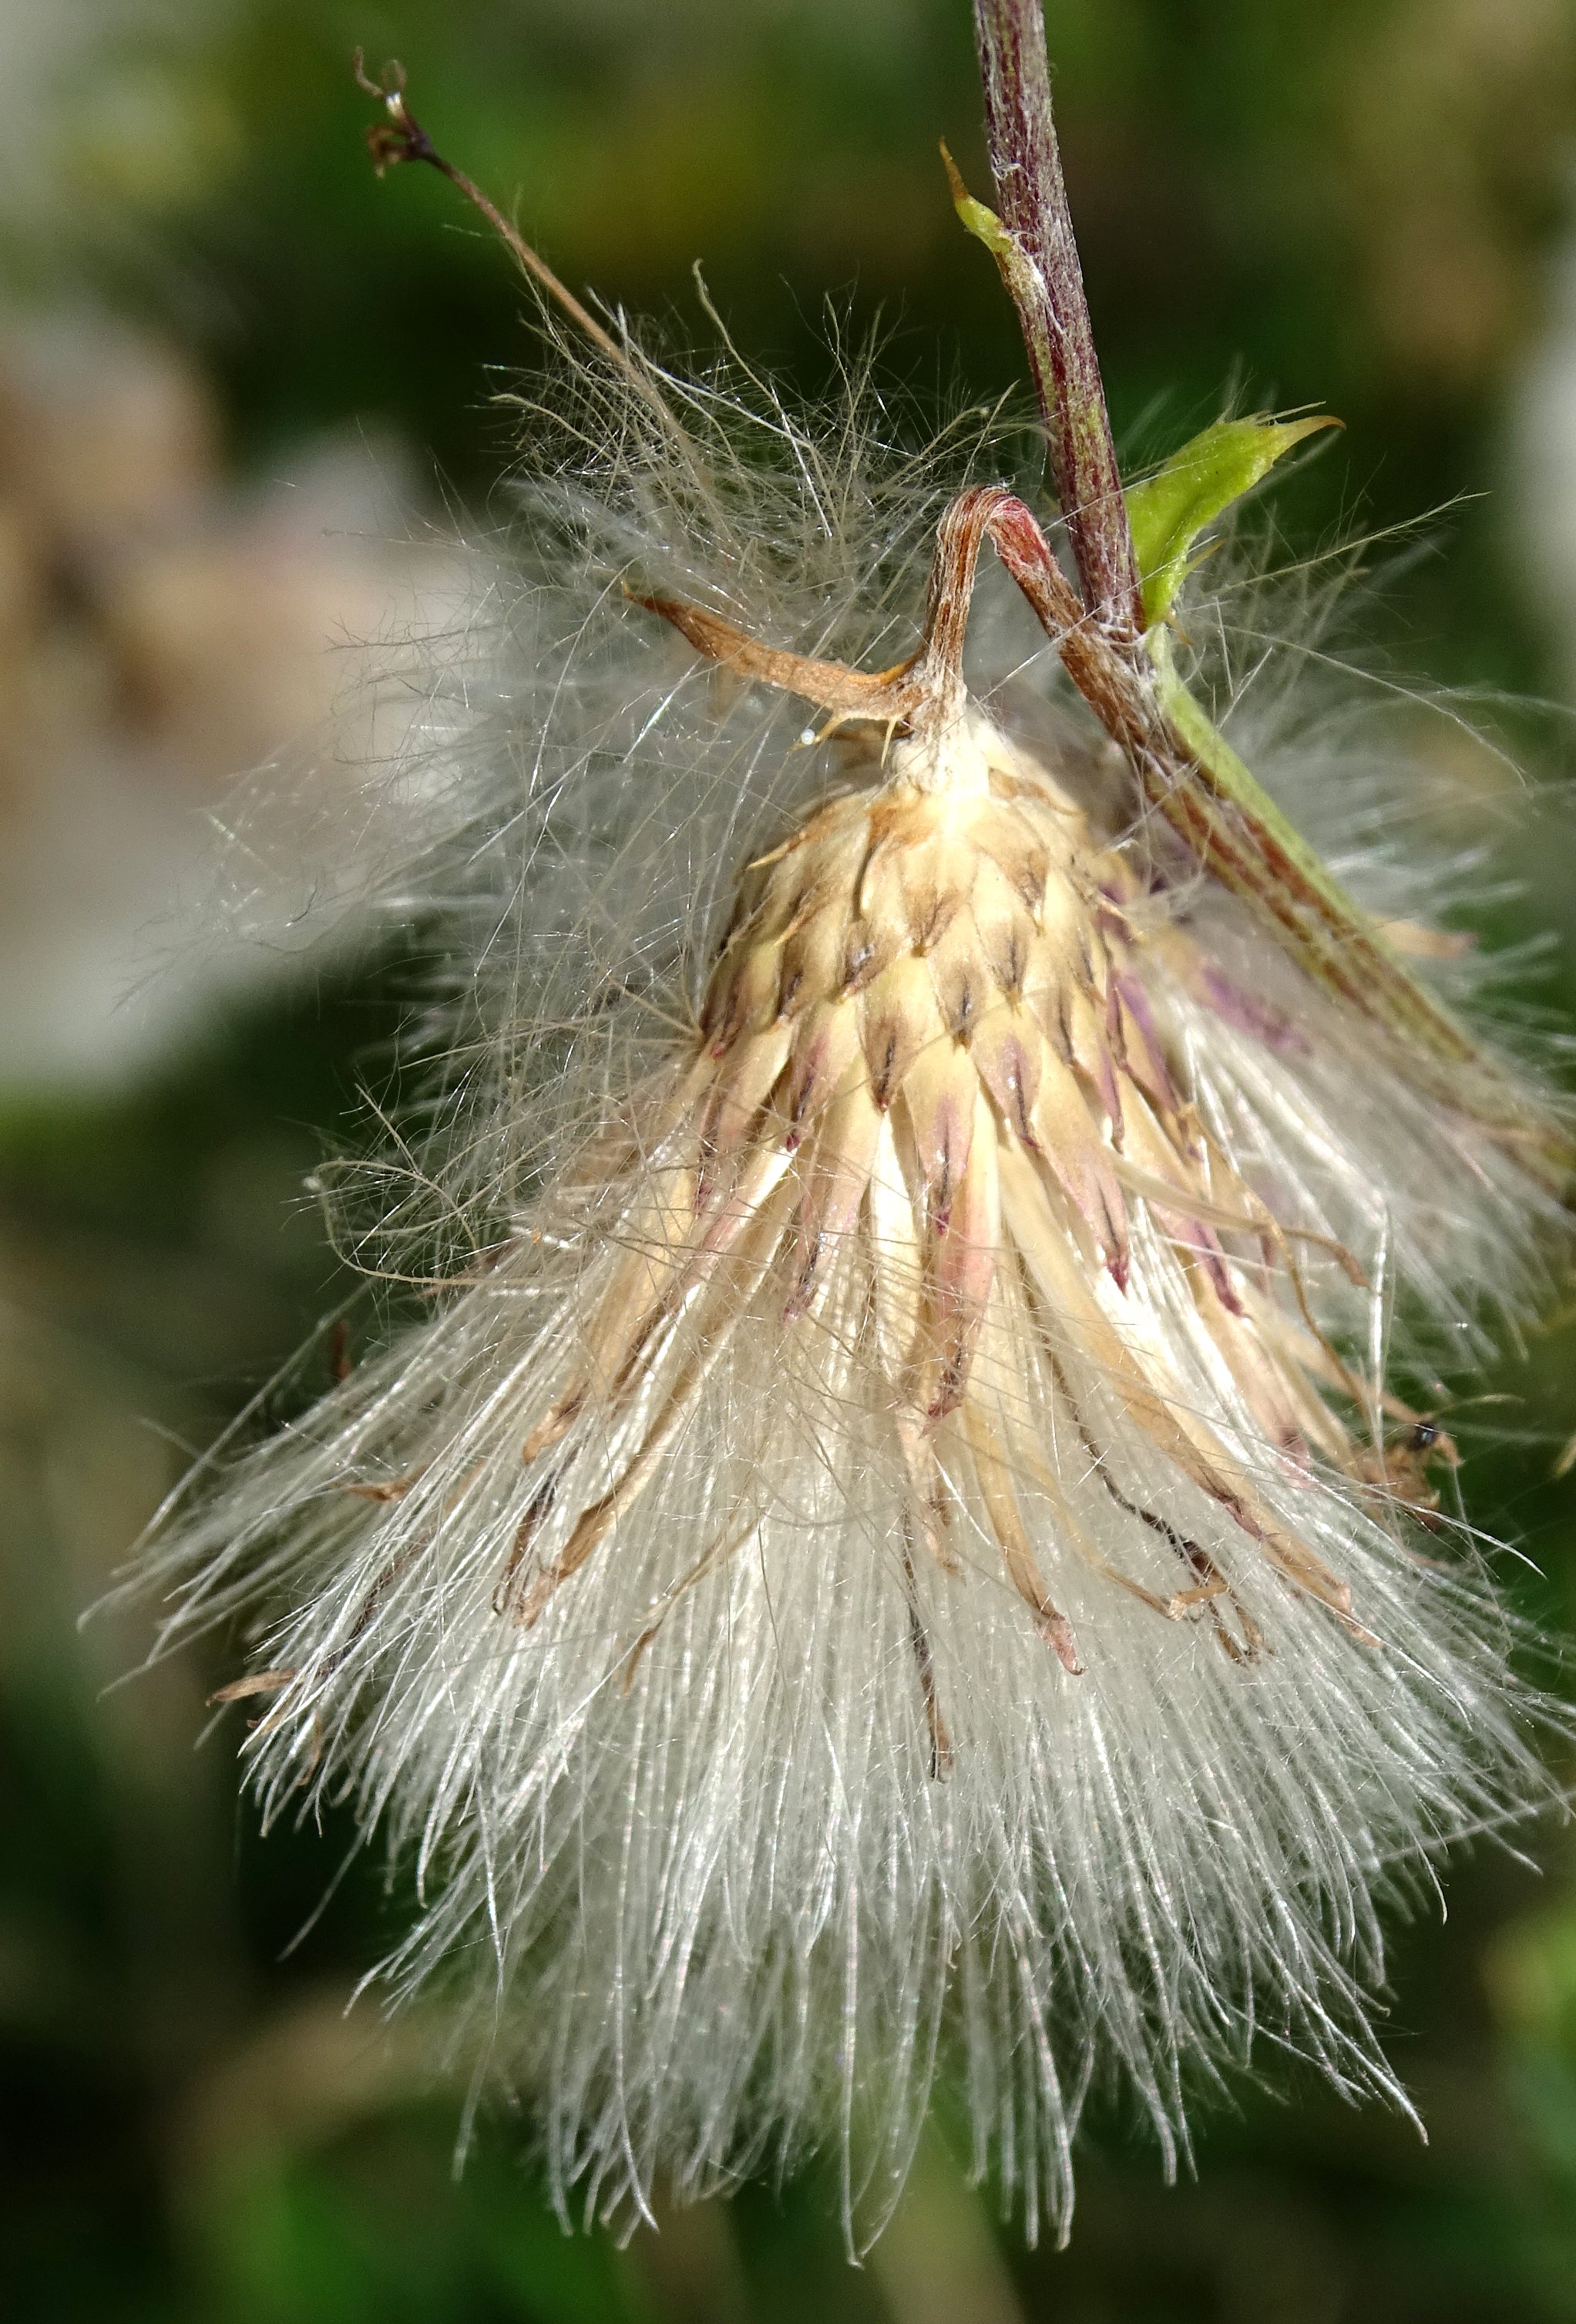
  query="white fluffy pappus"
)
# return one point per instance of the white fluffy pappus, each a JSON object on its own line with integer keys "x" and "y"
{"x": 896, "y": 1547}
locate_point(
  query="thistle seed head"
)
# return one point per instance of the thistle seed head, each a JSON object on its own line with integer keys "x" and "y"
{"x": 904, "y": 1556}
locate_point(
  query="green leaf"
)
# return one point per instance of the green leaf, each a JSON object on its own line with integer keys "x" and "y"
{"x": 1169, "y": 509}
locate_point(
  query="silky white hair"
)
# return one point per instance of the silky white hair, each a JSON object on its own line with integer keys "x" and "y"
{"x": 687, "y": 1869}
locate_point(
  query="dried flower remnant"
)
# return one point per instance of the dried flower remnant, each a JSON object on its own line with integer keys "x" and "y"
{"x": 905, "y": 1558}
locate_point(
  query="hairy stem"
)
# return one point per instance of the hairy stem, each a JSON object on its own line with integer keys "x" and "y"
{"x": 1052, "y": 310}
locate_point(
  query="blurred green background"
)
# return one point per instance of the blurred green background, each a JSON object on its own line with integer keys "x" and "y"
{"x": 244, "y": 389}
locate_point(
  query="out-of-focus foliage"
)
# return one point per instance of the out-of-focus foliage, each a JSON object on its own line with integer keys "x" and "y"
{"x": 1351, "y": 205}
{"x": 1344, "y": 205}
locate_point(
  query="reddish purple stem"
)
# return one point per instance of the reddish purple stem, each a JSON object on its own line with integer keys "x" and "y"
{"x": 1032, "y": 199}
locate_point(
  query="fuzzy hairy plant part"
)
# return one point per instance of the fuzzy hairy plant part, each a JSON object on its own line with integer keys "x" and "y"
{"x": 898, "y": 1544}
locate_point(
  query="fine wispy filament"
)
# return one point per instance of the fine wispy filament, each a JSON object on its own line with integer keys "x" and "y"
{"x": 898, "y": 1548}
